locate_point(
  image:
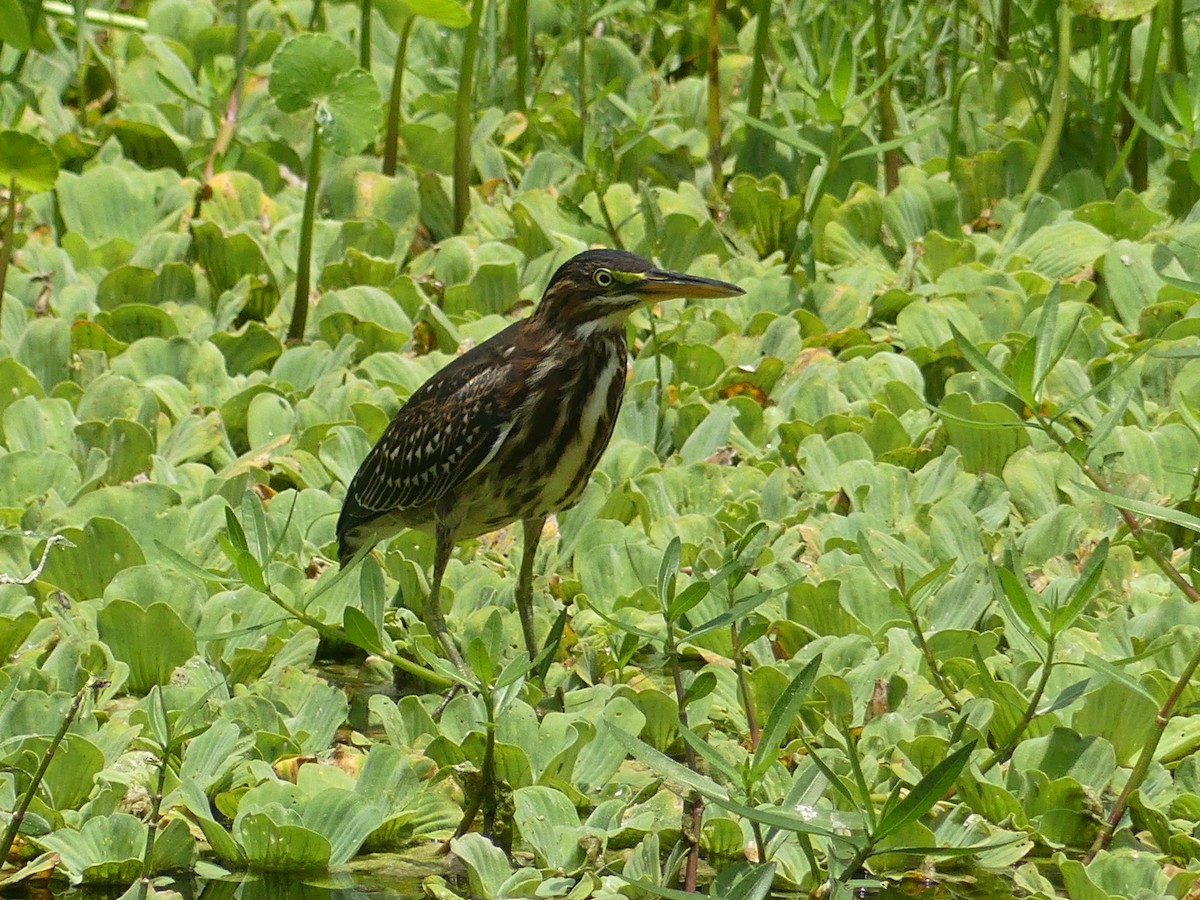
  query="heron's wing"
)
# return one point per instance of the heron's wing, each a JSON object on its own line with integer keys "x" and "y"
{"x": 450, "y": 427}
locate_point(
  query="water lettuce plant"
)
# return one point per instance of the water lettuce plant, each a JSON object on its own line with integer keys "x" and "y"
{"x": 889, "y": 573}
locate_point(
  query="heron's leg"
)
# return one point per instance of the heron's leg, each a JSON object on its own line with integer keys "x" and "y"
{"x": 443, "y": 545}
{"x": 524, "y": 594}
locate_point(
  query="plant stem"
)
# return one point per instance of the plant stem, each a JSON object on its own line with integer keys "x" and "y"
{"x": 756, "y": 145}
{"x": 488, "y": 789}
{"x": 1178, "y": 55}
{"x": 229, "y": 119}
{"x": 1058, "y": 106}
{"x": 693, "y": 807}
{"x": 1164, "y": 565}
{"x": 304, "y": 256}
{"x": 955, "y": 89}
{"x": 1138, "y": 157}
{"x": 744, "y": 689}
{"x": 153, "y": 822}
{"x": 332, "y": 632}
{"x": 391, "y": 138}
{"x": 81, "y": 56}
{"x": 758, "y": 70}
{"x": 1111, "y": 90}
{"x": 6, "y": 249}
{"x": 462, "y": 119}
{"x": 601, "y": 190}
{"x": 1003, "y": 29}
{"x": 18, "y": 816}
{"x": 364, "y": 36}
{"x": 519, "y": 10}
{"x": 930, "y": 658}
{"x": 714, "y": 95}
{"x": 1004, "y": 751}
{"x": 887, "y": 113}
{"x": 97, "y": 16}
{"x": 581, "y": 67}
{"x": 1142, "y": 767}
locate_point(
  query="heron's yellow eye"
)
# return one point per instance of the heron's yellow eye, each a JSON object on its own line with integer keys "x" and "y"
{"x": 603, "y": 277}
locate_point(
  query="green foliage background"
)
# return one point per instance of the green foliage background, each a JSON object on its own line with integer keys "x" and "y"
{"x": 920, "y": 507}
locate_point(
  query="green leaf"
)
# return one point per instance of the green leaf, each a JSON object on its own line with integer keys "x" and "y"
{"x": 1113, "y": 10}
{"x": 317, "y": 70}
{"x": 25, "y": 159}
{"x": 1161, "y": 513}
{"x": 361, "y": 631}
{"x": 1010, "y": 590}
{"x": 1043, "y": 339}
{"x": 927, "y": 792}
{"x": 782, "y": 716}
{"x": 1119, "y": 675}
{"x": 14, "y": 26}
{"x": 982, "y": 364}
{"x": 702, "y": 685}
{"x": 1064, "y": 617}
{"x": 687, "y": 600}
{"x": 549, "y": 822}
{"x": 152, "y": 641}
{"x": 668, "y": 569}
{"x": 306, "y": 68}
{"x": 445, "y": 12}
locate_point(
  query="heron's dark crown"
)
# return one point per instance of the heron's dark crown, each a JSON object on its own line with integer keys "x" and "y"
{"x": 593, "y": 285}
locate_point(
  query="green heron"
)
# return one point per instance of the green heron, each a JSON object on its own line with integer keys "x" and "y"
{"x": 512, "y": 428}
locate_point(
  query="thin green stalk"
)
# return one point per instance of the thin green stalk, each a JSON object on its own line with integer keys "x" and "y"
{"x": 153, "y": 822}
{"x": 758, "y": 70}
{"x": 660, "y": 422}
{"x": 10, "y": 225}
{"x": 614, "y": 233}
{"x": 1139, "y": 156}
{"x": 581, "y": 66}
{"x": 391, "y": 139}
{"x": 955, "y": 89}
{"x": 17, "y": 69}
{"x": 1058, "y": 106}
{"x": 693, "y": 806}
{"x": 1179, "y": 60}
{"x": 930, "y": 657}
{"x": 488, "y": 788}
{"x": 1003, "y": 29}
{"x": 887, "y": 113}
{"x": 18, "y": 816}
{"x": 304, "y": 256}
{"x": 81, "y": 56}
{"x": 754, "y": 153}
{"x": 1005, "y": 750}
{"x": 519, "y": 10}
{"x": 1142, "y": 767}
{"x": 229, "y": 119}
{"x": 743, "y": 681}
{"x": 333, "y": 633}
{"x": 462, "y": 119}
{"x": 1110, "y": 89}
{"x": 364, "y": 36}
{"x": 812, "y": 198}
{"x": 97, "y": 16}
{"x": 714, "y": 96}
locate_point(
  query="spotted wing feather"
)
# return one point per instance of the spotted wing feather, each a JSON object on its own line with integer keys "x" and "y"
{"x": 446, "y": 431}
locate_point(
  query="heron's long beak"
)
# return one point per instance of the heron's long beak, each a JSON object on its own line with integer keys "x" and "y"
{"x": 659, "y": 285}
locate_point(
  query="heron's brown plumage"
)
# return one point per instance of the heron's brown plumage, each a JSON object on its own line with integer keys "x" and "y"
{"x": 512, "y": 428}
